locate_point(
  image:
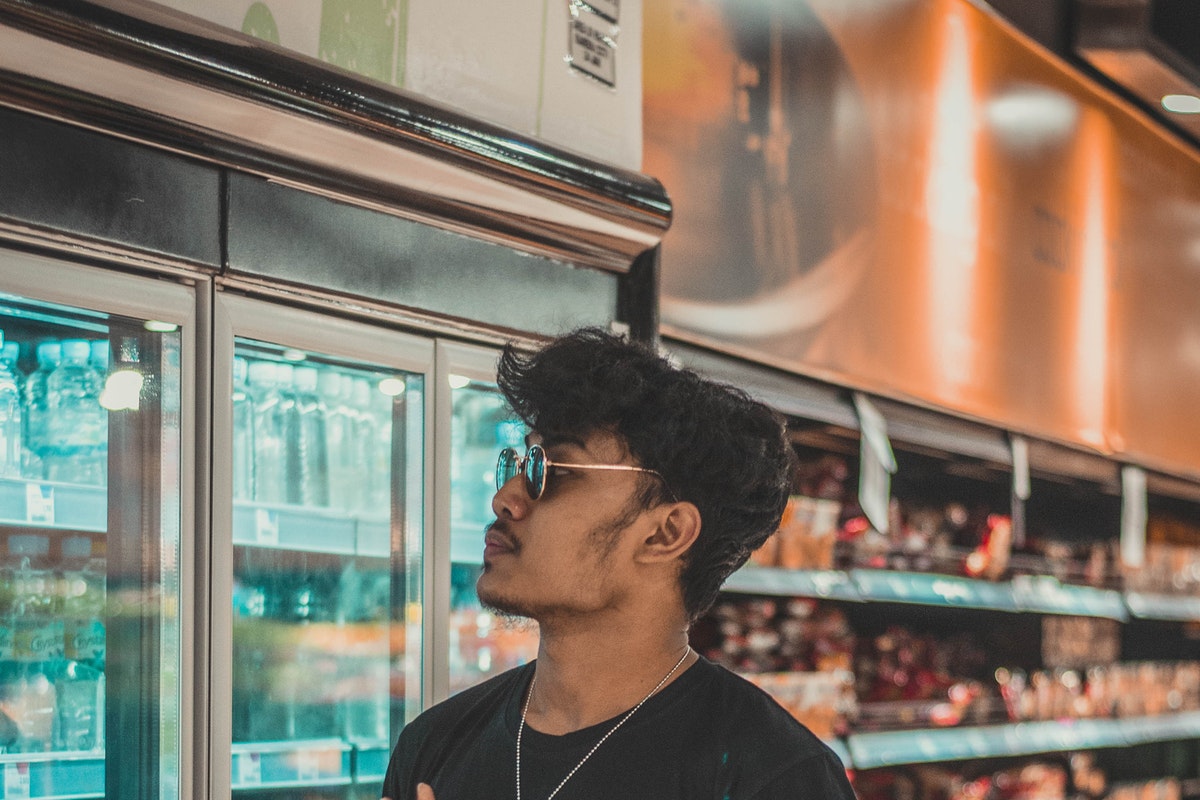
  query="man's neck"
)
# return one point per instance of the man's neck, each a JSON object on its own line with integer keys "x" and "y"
{"x": 585, "y": 677}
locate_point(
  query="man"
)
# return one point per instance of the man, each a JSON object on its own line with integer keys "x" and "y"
{"x": 643, "y": 488}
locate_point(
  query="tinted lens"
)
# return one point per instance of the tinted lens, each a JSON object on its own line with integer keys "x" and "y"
{"x": 535, "y": 471}
{"x": 506, "y": 466}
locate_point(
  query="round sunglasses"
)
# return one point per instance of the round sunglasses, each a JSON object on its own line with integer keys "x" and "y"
{"x": 535, "y": 464}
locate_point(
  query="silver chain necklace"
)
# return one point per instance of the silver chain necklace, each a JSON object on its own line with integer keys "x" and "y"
{"x": 596, "y": 746}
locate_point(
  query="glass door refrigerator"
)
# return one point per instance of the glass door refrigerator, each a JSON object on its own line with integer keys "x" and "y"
{"x": 321, "y": 440}
{"x": 474, "y": 425}
{"x": 96, "y": 418}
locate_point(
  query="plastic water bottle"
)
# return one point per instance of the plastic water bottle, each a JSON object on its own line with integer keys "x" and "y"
{"x": 77, "y": 423}
{"x": 10, "y": 354}
{"x": 268, "y": 433}
{"x": 366, "y": 442}
{"x": 243, "y": 433}
{"x": 11, "y": 429}
{"x": 79, "y": 686}
{"x": 276, "y": 433}
{"x": 99, "y": 356}
{"x": 37, "y": 650}
{"x": 99, "y": 361}
{"x": 380, "y": 501}
{"x": 339, "y": 431}
{"x": 37, "y": 408}
{"x": 314, "y": 452}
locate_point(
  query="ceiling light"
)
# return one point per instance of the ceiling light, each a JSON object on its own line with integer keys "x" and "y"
{"x": 1181, "y": 103}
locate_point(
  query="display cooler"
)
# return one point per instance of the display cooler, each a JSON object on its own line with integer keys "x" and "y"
{"x": 251, "y": 307}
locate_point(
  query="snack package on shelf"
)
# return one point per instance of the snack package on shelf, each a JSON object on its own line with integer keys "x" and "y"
{"x": 1172, "y": 558}
{"x": 909, "y": 680}
{"x": 1136, "y": 689}
{"x": 808, "y": 530}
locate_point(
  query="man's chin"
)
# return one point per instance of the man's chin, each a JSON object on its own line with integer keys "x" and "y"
{"x": 498, "y": 603}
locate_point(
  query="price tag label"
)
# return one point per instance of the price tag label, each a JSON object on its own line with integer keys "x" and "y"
{"x": 592, "y": 45}
{"x": 16, "y": 781}
{"x": 308, "y": 766}
{"x": 39, "y": 504}
{"x": 266, "y": 526}
{"x": 249, "y": 769}
{"x": 1133, "y": 516}
{"x": 877, "y": 463}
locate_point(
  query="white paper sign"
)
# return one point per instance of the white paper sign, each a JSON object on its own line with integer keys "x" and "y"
{"x": 1020, "y": 463}
{"x": 877, "y": 463}
{"x": 1133, "y": 516}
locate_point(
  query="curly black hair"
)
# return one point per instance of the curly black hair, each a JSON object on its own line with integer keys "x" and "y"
{"x": 713, "y": 445}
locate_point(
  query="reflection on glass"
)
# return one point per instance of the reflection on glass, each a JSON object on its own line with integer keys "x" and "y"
{"x": 482, "y": 643}
{"x": 88, "y": 402}
{"x": 327, "y": 485}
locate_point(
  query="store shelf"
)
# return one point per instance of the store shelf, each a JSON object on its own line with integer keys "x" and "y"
{"x": 276, "y": 765}
{"x": 52, "y": 776}
{"x": 313, "y": 530}
{"x": 894, "y": 748}
{"x": 1035, "y": 594}
{"x": 1163, "y": 606}
{"x": 926, "y": 588}
{"x": 1045, "y": 595}
{"x": 829, "y": 584}
{"x": 45, "y": 504}
{"x": 371, "y": 760}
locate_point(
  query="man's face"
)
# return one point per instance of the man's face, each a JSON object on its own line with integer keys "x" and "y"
{"x": 568, "y": 553}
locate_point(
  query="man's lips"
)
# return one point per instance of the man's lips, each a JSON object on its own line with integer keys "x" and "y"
{"x": 496, "y": 542}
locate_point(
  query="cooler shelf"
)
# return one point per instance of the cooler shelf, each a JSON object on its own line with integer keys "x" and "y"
{"x": 52, "y": 776}
{"x": 46, "y": 504}
{"x": 313, "y": 530}
{"x": 277, "y": 765}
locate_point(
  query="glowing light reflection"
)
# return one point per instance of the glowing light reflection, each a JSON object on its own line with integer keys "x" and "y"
{"x": 1091, "y": 334}
{"x": 952, "y": 208}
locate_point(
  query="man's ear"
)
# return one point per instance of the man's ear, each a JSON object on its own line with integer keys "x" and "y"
{"x": 677, "y": 526}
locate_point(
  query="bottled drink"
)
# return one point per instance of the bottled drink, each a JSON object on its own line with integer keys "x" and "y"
{"x": 98, "y": 357}
{"x": 77, "y": 423}
{"x": 10, "y": 354}
{"x": 314, "y": 454}
{"x": 37, "y": 650}
{"x": 80, "y": 684}
{"x": 10, "y": 420}
{"x": 243, "y": 433}
{"x": 268, "y": 433}
{"x": 99, "y": 361}
{"x": 37, "y": 408}
{"x": 366, "y": 442}
{"x": 339, "y": 434}
{"x": 380, "y": 501}
{"x": 276, "y": 433}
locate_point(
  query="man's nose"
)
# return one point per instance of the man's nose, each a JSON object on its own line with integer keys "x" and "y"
{"x": 511, "y": 501}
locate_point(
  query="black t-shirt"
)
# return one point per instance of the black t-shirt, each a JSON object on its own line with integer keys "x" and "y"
{"x": 709, "y": 735}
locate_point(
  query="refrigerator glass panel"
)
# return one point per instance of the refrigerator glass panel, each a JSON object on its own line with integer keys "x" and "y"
{"x": 482, "y": 642}
{"x": 90, "y": 493}
{"x": 327, "y": 477}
